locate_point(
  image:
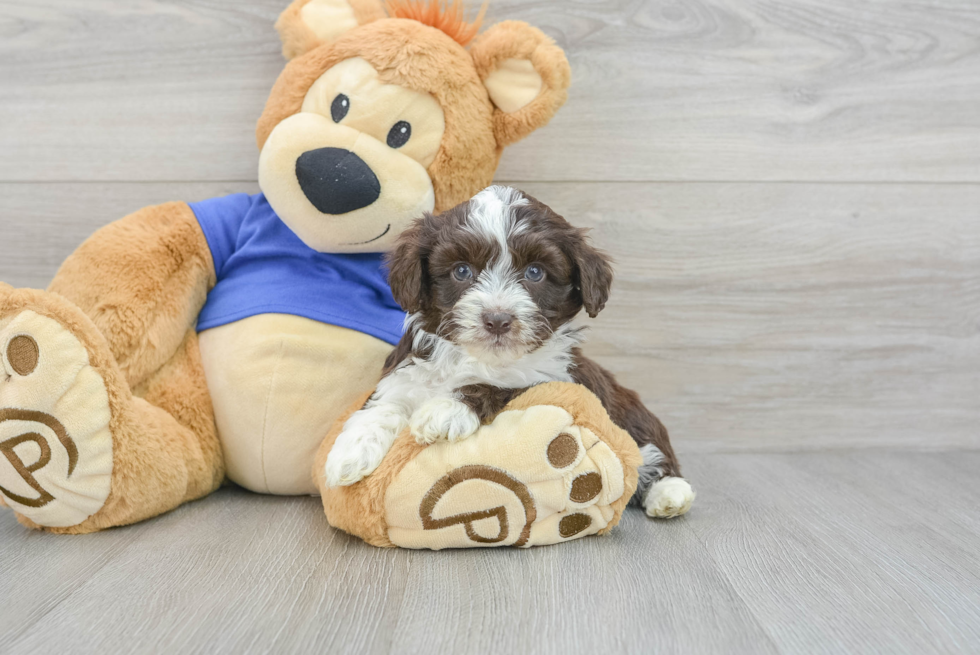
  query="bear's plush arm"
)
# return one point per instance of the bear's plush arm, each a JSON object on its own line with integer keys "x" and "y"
{"x": 142, "y": 280}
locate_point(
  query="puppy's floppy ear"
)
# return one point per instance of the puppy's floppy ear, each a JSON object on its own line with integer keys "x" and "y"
{"x": 406, "y": 267}
{"x": 526, "y": 75}
{"x": 306, "y": 24}
{"x": 594, "y": 275}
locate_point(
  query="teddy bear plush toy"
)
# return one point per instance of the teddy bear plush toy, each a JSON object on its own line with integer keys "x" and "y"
{"x": 189, "y": 344}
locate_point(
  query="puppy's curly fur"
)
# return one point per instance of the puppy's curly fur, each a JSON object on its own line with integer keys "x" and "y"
{"x": 491, "y": 287}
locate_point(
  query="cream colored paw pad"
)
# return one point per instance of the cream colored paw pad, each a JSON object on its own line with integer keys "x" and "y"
{"x": 55, "y": 445}
{"x": 532, "y": 477}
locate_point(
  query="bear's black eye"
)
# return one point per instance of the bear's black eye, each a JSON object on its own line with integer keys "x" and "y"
{"x": 399, "y": 134}
{"x": 534, "y": 273}
{"x": 340, "y": 107}
{"x": 462, "y": 272}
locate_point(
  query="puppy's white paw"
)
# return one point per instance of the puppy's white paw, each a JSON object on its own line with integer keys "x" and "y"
{"x": 351, "y": 460}
{"x": 668, "y": 498}
{"x": 443, "y": 418}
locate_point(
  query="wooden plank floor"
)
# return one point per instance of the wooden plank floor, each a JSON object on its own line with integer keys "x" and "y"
{"x": 838, "y": 551}
{"x": 791, "y": 191}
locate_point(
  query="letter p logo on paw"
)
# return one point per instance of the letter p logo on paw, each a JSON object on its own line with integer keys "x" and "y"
{"x": 26, "y": 471}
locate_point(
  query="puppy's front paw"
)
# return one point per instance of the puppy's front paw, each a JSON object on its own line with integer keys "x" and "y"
{"x": 668, "y": 498}
{"x": 348, "y": 463}
{"x": 443, "y": 418}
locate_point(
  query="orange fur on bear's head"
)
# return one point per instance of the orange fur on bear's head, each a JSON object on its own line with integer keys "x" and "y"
{"x": 448, "y": 18}
{"x": 509, "y": 83}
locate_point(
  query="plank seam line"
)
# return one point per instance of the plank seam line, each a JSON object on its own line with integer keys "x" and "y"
{"x": 953, "y": 183}
{"x": 731, "y": 585}
{"x": 113, "y": 555}
{"x": 911, "y": 450}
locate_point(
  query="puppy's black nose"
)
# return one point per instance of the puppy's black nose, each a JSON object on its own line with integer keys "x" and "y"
{"x": 497, "y": 323}
{"x": 336, "y": 181}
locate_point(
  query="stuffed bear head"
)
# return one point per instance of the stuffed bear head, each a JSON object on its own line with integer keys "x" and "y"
{"x": 380, "y": 116}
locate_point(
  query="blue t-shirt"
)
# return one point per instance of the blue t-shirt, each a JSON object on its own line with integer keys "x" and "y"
{"x": 264, "y": 268}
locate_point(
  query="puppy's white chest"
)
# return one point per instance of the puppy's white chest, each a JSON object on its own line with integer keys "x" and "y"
{"x": 440, "y": 377}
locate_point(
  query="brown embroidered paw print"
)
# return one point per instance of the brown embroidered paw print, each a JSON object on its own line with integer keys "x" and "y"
{"x": 530, "y": 478}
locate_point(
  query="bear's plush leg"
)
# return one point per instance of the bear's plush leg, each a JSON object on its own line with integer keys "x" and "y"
{"x": 142, "y": 280}
{"x": 79, "y": 452}
{"x": 106, "y": 419}
{"x": 180, "y": 390}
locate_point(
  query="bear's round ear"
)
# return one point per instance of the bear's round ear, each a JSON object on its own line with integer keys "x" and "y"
{"x": 526, "y": 75}
{"x": 306, "y": 24}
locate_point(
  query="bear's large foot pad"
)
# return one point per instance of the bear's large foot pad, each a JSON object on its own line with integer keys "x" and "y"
{"x": 55, "y": 444}
{"x": 550, "y": 469}
{"x": 533, "y": 477}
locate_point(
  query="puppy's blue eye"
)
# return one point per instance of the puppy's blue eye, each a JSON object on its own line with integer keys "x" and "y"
{"x": 534, "y": 273}
{"x": 462, "y": 272}
{"x": 339, "y": 108}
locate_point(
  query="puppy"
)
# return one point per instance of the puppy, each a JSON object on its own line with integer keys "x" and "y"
{"x": 491, "y": 287}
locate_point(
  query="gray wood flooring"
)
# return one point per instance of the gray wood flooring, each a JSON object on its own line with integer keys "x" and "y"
{"x": 791, "y": 191}
{"x": 838, "y": 551}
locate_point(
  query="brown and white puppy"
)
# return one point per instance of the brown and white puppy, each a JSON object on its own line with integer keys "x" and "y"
{"x": 491, "y": 287}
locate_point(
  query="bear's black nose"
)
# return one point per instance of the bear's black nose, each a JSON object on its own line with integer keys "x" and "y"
{"x": 336, "y": 181}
